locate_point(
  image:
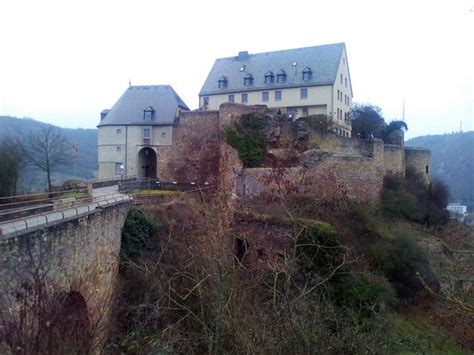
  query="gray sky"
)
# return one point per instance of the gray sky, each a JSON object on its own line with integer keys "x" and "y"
{"x": 64, "y": 61}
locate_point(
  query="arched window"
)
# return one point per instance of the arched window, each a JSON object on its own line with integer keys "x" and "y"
{"x": 148, "y": 114}
{"x": 222, "y": 82}
{"x": 307, "y": 73}
{"x": 281, "y": 76}
{"x": 269, "y": 77}
{"x": 248, "y": 80}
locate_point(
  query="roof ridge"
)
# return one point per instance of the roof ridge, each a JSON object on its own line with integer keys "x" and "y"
{"x": 288, "y": 50}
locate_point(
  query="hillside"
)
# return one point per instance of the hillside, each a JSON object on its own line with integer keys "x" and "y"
{"x": 453, "y": 162}
{"x": 86, "y": 139}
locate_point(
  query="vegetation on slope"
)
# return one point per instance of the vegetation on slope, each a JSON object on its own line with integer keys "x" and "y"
{"x": 452, "y": 162}
{"x": 353, "y": 269}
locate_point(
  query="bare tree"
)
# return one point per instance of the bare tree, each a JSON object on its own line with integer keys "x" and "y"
{"x": 46, "y": 149}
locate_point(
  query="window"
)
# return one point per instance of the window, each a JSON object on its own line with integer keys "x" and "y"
{"x": 341, "y": 78}
{"x": 119, "y": 149}
{"x": 222, "y": 82}
{"x": 248, "y": 80}
{"x": 205, "y": 101}
{"x": 338, "y": 95}
{"x": 345, "y": 82}
{"x": 146, "y": 133}
{"x": 281, "y": 76}
{"x": 427, "y": 169}
{"x": 244, "y": 99}
{"x": 278, "y": 95}
{"x": 119, "y": 168}
{"x": 119, "y": 131}
{"x": 265, "y": 96}
{"x": 231, "y": 98}
{"x": 307, "y": 73}
{"x": 269, "y": 78}
{"x": 163, "y": 134}
{"x": 303, "y": 94}
{"x": 148, "y": 113}
{"x": 305, "y": 111}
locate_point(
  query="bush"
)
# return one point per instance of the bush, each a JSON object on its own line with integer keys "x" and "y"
{"x": 248, "y": 137}
{"x": 412, "y": 198}
{"x": 318, "y": 249}
{"x": 366, "y": 292}
{"x": 403, "y": 262}
{"x": 136, "y": 234}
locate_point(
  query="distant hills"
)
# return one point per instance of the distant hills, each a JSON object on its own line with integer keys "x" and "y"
{"x": 86, "y": 139}
{"x": 453, "y": 162}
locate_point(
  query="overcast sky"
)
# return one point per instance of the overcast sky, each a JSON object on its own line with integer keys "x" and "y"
{"x": 64, "y": 61}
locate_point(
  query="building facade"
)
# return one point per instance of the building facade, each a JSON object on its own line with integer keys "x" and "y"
{"x": 298, "y": 82}
{"x": 130, "y": 133}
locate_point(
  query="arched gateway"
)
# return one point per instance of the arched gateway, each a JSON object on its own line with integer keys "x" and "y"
{"x": 147, "y": 163}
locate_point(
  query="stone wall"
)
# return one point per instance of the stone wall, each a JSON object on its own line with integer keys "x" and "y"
{"x": 419, "y": 159}
{"x": 329, "y": 176}
{"x": 265, "y": 242}
{"x": 394, "y": 159}
{"x": 79, "y": 255}
{"x": 194, "y": 154}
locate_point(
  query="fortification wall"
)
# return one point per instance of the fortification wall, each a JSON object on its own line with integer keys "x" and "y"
{"x": 394, "y": 159}
{"x": 80, "y": 256}
{"x": 194, "y": 154}
{"x": 418, "y": 159}
{"x": 325, "y": 176}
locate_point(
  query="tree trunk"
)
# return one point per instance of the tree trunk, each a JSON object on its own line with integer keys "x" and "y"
{"x": 48, "y": 174}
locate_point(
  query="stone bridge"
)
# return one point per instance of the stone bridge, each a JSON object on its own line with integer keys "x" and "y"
{"x": 58, "y": 274}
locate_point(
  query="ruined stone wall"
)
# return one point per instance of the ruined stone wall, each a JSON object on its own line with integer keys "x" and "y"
{"x": 420, "y": 160}
{"x": 394, "y": 159}
{"x": 78, "y": 255}
{"x": 194, "y": 154}
{"x": 266, "y": 242}
{"x": 326, "y": 176}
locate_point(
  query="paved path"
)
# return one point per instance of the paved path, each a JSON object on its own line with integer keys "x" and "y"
{"x": 100, "y": 197}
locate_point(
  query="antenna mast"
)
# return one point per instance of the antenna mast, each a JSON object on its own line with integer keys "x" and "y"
{"x": 403, "y": 110}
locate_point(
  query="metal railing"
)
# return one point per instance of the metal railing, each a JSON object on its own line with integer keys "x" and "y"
{"x": 39, "y": 219}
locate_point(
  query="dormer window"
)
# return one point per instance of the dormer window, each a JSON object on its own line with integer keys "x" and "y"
{"x": 307, "y": 73}
{"x": 248, "y": 80}
{"x": 148, "y": 114}
{"x": 269, "y": 78}
{"x": 281, "y": 76}
{"x": 222, "y": 82}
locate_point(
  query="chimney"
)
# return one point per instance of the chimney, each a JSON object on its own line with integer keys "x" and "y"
{"x": 243, "y": 55}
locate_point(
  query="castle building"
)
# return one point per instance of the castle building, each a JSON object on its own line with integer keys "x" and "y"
{"x": 131, "y": 131}
{"x": 298, "y": 82}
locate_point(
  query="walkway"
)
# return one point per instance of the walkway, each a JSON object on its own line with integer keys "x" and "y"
{"x": 102, "y": 196}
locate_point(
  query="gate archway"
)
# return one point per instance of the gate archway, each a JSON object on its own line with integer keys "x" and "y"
{"x": 147, "y": 163}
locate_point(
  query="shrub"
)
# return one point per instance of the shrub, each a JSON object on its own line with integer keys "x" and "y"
{"x": 136, "y": 234}
{"x": 247, "y": 135}
{"x": 366, "y": 292}
{"x": 412, "y": 198}
{"x": 403, "y": 262}
{"x": 318, "y": 249}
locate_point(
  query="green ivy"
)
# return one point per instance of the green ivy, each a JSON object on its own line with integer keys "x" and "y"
{"x": 248, "y": 137}
{"x": 137, "y": 231}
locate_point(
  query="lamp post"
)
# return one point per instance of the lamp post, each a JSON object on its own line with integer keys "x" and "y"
{"x": 121, "y": 172}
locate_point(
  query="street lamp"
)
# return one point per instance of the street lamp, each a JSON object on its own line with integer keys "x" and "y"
{"x": 121, "y": 172}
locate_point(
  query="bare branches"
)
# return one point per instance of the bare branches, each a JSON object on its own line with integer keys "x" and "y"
{"x": 46, "y": 149}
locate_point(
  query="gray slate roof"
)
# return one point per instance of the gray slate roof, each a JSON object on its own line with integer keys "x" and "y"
{"x": 128, "y": 110}
{"x": 322, "y": 60}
